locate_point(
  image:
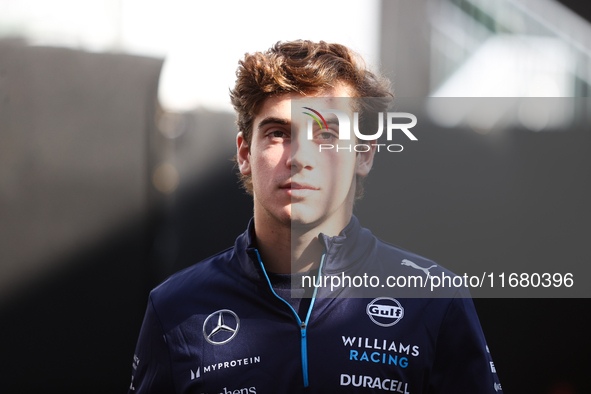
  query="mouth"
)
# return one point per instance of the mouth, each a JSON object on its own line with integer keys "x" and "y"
{"x": 298, "y": 186}
{"x": 299, "y": 191}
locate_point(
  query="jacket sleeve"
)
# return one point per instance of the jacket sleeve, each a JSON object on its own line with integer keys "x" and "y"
{"x": 151, "y": 362}
{"x": 462, "y": 360}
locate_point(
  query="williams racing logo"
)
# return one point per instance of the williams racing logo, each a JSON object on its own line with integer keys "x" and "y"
{"x": 221, "y": 327}
{"x": 385, "y": 311}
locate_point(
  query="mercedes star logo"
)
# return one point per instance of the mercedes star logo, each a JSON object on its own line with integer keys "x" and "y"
{"x": 222, "y": 332}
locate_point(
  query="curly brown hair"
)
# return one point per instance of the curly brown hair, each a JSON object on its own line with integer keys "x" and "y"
{"x": 303, "y": 67}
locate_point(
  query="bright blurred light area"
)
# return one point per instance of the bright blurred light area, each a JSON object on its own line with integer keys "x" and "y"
{"x": 510, "y": 66}
{"x": 201, "y": 41}
{"x": 208, "y": 41}
{"x": 514, "y": 66}
{"x": 92, "y": 25}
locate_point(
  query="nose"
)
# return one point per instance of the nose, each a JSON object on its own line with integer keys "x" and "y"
{"x": 302, "y": 153}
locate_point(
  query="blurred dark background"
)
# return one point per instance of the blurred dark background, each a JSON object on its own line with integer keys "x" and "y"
{"x": 103, "y": 193}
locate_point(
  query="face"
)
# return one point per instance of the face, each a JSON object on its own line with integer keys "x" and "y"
{"x": 294, "y": 183}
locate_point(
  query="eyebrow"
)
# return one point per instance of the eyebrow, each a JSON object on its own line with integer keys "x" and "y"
{"x": 273, "y": 120}
{"x": 330, "y": 121}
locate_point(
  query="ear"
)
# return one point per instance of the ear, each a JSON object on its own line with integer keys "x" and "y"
{"x": 365, "y": 159}
{"x": 242, "y": 154}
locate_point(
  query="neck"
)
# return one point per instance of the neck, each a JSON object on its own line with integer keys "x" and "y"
{"x": 285, "y": 249}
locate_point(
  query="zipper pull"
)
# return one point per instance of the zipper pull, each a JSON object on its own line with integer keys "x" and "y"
{"x": 303, "y": 327}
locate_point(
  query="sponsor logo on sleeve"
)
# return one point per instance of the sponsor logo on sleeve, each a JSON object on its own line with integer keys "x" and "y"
{"x": 136, "y": 363}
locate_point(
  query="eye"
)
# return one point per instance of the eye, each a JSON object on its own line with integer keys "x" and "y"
{"x": 277, "y": 134}
{"x": 326, "y": 136}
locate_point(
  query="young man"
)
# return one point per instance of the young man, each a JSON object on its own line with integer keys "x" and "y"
{"x": 229, "y": 324}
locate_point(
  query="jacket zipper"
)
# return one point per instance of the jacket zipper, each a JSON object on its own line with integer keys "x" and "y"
{"x": 303, "y": 324}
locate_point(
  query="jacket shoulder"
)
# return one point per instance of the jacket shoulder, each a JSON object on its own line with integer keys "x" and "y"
{"x": 391, "y": 251}
{"x": 421, "y": 276}
{"x": 192, "y": 277}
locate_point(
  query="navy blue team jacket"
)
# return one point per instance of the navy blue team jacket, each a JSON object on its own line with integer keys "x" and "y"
{"x": 219, "y": 327}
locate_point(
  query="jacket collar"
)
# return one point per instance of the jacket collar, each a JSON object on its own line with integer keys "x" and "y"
{"x": 347, "y": 249}
{"x": 351, "y": 246}
{"x": 247, "y": 255}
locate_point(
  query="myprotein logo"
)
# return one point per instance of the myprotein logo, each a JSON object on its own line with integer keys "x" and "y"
{"x": 385, "y": 311}
{"x": 344, "y": 126}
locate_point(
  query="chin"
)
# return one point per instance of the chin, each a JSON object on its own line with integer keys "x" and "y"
{"x": 301, "y": 219}
{"x": 284, "y": 216}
